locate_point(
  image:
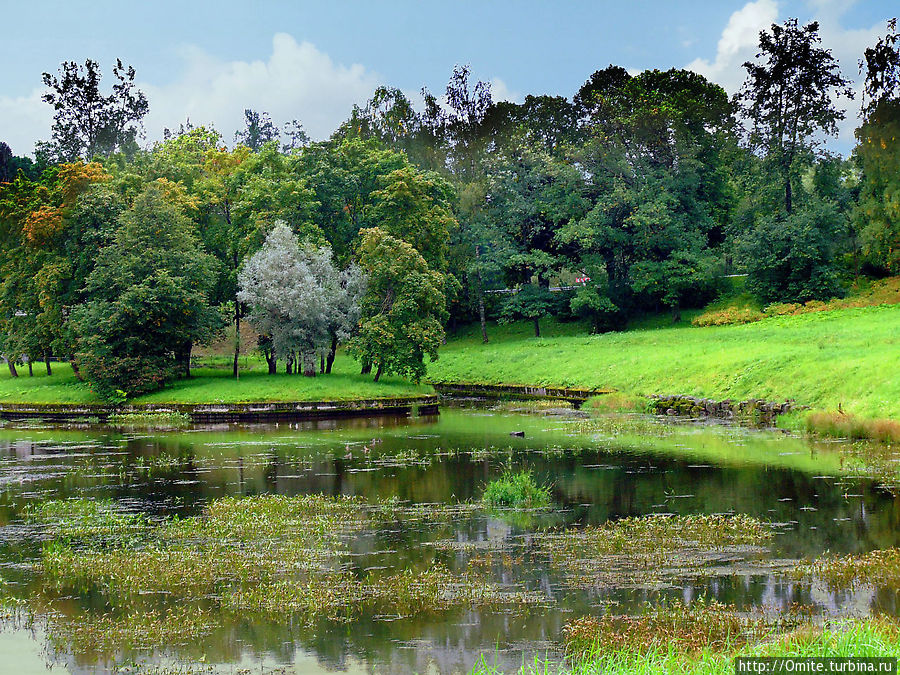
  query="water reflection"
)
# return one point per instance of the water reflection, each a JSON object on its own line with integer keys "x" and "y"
{"x": 449, "y": 459}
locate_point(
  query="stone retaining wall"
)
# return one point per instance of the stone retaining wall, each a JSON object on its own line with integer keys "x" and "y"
{"x": 232, "y": 412}
{"x": 757, "y": 410}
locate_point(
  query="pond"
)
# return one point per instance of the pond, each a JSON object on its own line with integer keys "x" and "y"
{"x": 414, "y": 469}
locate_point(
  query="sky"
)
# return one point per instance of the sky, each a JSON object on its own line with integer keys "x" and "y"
{"x": 208, "y": 61}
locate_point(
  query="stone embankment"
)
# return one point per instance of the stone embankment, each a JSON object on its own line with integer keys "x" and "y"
{"x": 232, "y": 412}
{"x": 756, "y": 410}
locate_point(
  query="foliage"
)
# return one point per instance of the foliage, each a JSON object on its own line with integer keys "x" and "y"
{"x": 790, "y": 256}
{"x": 149, "y": 300}
{"x": 88, "y": 123}
{"x": 877, "y": 216}
{"x": 298, "y": 297}
{"x": 789, "y": 96}
{"x": 403, "y": 308}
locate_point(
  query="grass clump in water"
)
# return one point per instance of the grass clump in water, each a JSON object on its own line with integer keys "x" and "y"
{"x": 283, "y": 558}
{"x": 842, "y": 425}
{"x": 877, "y": 568}
{"x": 517, "y": 490}
{"x": 150, "y": 420}
{"x": 94, "y": 520}
{"x": 649, "y": 549}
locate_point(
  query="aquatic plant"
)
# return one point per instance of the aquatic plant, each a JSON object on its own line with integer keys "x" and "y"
{"x": 878, "y": 568}
{"x": 519, "y": 490}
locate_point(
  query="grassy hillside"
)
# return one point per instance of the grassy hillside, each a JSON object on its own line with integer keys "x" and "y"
{"x": 214, "y": 385}
{"x": 822, "y": 359}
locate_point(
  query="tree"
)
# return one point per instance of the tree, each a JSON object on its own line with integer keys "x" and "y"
{"x": 877, "y": 215}
{"x": 258, "y": 130}
{"x": 403, "y": 309}
{"x": 299, "y": 299}
{"x": 531, "y": 302}
{"x": 148, "y": 299}
{"x": 6, "y": 163}
{"x": 789, "y": 96}
{"x": 790, "y": 257}
{"x": 88, "y": 123}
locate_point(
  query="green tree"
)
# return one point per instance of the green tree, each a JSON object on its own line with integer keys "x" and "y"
{"x": 148, "y": 299}
{"x": 403, "y": 309}
{"x": 88, "y": 123}
{"x": 877, "y": 216}
{"x": 789, "y": 97}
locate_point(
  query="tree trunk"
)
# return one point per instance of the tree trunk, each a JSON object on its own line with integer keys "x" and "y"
{"x": 75, "y": 369}
{"x": 12, "y": 367}
{"x": 537, "y": 327}
{"x": 481, "y": 319}
{"x": 366, "y": 368}
{"x": 321, "y": 363}
{"x": 30, "y": 368}
{"x": 271, "y": 361}
{"x": 309, "y": 364}
{"x": 787, "y": 194}
{"x": 47, "y": 363}
{"x": 377, "y": 372}
{"x": 676, "y": 313}
{"x": 329, "y": 361}
{"x": 183, "y": 359}
{"x": 289, "y": 364}
{"x": 237, "y": 337}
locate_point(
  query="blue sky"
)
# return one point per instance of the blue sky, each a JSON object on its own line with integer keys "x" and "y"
{"x": 312, "y": 61}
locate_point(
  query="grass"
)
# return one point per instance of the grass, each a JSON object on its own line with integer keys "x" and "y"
{"x": 822, "y": 359}
{"x": 878, "y": 568}
{"x": 286, "y": 559}
{"x": 212, "y": 383}
{"x": 743, "y": 308}
{"x": 653, "y": 548}
{"x": 876, "y": 637}
{"x": 517, "y": 490}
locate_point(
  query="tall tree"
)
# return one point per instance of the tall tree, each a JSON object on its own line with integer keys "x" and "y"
{"x": 258, "y": 130}
{"x": 149, "y": 299}
{"x": 88, "y": 123}
{"x": 789, "y": 96}
{"x": 403, "y": 309}
{"x": 877, "y": 215}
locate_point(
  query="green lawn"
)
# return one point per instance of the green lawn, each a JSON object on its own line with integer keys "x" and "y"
{"x": 214, "y": 385}
{"x": 849, "y": 357}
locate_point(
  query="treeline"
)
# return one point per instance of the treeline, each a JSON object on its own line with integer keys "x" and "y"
{"x": 639, "y": 193}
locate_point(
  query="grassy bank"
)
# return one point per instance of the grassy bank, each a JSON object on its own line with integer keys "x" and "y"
{"x": 872, "y": 638}
{"x": 847, "y": 357}
{"x": 214, "y": 384}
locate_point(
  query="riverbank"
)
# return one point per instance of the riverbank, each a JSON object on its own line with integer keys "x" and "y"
{"x": 845, "y": 359}
{"x": 212, "y": 395}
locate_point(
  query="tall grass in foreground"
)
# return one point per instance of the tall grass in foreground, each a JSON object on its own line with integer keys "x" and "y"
{"x": 842, "y": 425}
{"x": 871, "y": 637}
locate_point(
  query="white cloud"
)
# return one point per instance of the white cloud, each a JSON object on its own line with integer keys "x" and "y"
{"x": 737, "y": 44}
{"x": 23, "y": 120}
{"x": 296, "y": 81}
{"x": 501, "y": 92}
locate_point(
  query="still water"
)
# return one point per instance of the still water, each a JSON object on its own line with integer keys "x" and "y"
{"x": 596, "y": 474}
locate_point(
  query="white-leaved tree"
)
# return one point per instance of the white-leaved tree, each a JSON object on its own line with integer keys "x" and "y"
{"x": 299, "y": 299}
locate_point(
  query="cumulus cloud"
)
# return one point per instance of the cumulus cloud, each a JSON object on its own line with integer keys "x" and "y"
{"x": 296, "y": 81}
{"x": 501, "y": 92}
{"x": 739, "y": 39}
{"x": 737, "y": 44}
{"x": 23, "y": 120}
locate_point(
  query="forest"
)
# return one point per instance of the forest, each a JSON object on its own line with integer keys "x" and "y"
{"x": 637, "y": 194}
